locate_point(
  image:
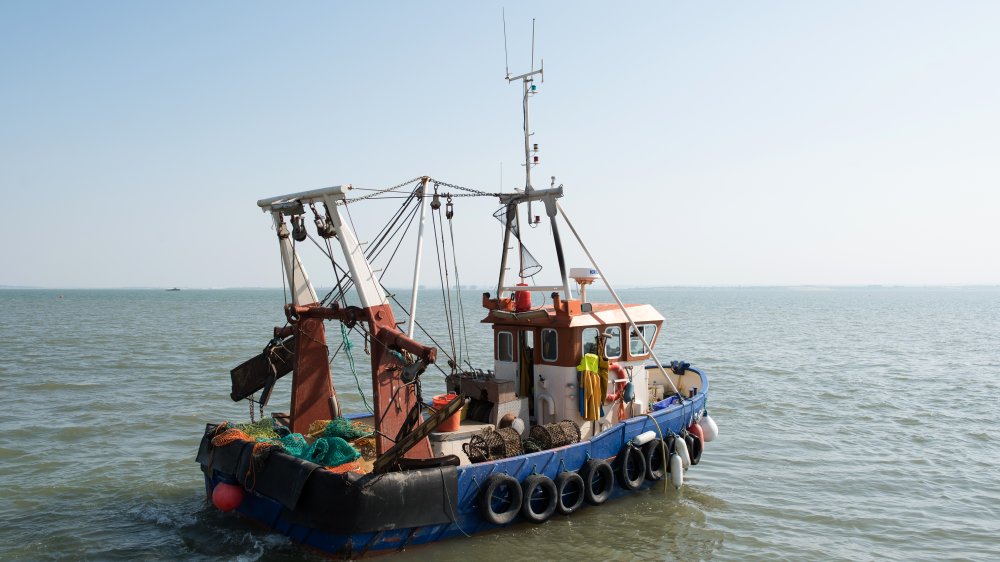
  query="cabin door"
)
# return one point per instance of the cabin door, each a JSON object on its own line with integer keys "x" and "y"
{"x": 526, "y": 366}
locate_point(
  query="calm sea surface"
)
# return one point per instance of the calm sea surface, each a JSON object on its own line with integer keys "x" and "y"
{"x": 856, "y": 424}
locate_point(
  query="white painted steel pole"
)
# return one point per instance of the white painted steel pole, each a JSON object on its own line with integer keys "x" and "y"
{"x": 618, "y": 300}
{"x": 302, "y": 289}
{"x": 420, "y": 250}
{"x": 370, "y": 291}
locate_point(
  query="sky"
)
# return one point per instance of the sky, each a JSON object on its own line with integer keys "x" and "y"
{"x": 710, "y": 143}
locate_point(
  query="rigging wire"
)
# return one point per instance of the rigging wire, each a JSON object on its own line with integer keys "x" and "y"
{"x": 461, "y": 310}
{"x": 402, "y": 237}
{"x": 443, "y": 275}
{"x": 350, "y": 360}
{"x": 400, "y": 305}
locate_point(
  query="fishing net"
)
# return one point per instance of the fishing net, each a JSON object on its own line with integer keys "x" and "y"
{"x": 339, "y": 427}
{"x": 224, "y": 436}
{"x": 325, "y": 442}
{"x": 261, "y": 429}
{"x": 324, "y": 451}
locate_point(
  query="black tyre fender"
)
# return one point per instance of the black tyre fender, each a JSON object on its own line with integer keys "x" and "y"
{"x": 694, "y": 448}
{"x": 655, "y": 468}
{"x": 570, "y": 491}
{"x": 598, "y": 481}
{"x": 631, "y": 467}
{"x": 498, "y": 515}
{"x": 532, "y": 487}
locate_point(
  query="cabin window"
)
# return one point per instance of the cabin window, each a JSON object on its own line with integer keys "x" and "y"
{"x": 613, "y": 343}
{"x": 635, "y": 346}
{"x": 590, "y": 340}
{"x": 550, "y": 345}
{"x": 505, "y": 346}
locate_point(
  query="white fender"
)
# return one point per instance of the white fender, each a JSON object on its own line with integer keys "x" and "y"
{"x": 643, "y": 438}
{"x": 681, "y": 448}
{"x": 709, "y": 428}
{"x": 676, "y": 471}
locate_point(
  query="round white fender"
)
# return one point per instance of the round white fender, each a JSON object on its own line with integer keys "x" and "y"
{"x": 681, "y": 448}
{"x": 708, "y": 427}
{"x": 676, "y": 471}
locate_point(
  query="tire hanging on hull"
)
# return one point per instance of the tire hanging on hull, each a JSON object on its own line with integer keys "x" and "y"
{"x": 598, "y": 481}
{"x": 570, "y": 492}
{"x": 631, "y": 467}
{"x": 500, "y": 500}
{"x": 540, "y": 498}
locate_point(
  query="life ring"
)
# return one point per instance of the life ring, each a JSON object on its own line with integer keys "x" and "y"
{"x": 695, "y": 448}
{"x": 619, "y": 386}
{"x": 500, "y": 500}
{"x": 570, "y": 492}
{"x": 631, "y": 467}
{"x": 598, "y": 481}
{"x": 540, "y": 498}
{"x": 653, "y": 451}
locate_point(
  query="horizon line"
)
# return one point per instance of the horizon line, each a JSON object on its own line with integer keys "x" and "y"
{"x": 473, "y": 287}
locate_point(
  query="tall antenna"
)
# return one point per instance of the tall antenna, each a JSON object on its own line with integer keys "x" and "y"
{"x": 529, "y": 89}
{"x": 503, "y": 14}
{"x": 532, "y": 43}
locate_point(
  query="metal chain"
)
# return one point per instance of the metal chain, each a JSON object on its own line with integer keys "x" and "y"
{"x": 471, "y": 191}
{"x": 382, "y": 191}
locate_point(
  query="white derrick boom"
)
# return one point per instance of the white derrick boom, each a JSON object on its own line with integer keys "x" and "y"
{"x": 369, "y": 289}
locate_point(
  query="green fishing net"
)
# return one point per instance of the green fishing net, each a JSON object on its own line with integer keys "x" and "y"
{"x": 330, "y": 446}
{"x": 261, "y": 429}
{"x": 343, "y": 428}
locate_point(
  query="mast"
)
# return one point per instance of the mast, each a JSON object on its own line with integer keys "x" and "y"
{"x": 530, "y": 194}
{"x": 420, "y": 251}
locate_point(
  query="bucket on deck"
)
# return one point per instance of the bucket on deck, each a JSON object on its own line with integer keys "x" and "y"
{"x": 522, "y": 299}
{"x": 452, "y": 423}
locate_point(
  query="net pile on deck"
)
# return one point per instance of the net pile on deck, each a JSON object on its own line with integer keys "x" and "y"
{"x": 333, "y": 443}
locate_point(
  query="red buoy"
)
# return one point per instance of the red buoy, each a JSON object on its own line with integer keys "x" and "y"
{"x": 698, "y": 432}
{"x": 227, "y": 497}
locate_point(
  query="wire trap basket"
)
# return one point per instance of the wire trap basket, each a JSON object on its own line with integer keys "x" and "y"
{"x": 493, "y": 444}
{"x": 552, "y": 435}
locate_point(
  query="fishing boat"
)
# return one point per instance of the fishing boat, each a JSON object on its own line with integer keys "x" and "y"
{"x": 575, "y": 410}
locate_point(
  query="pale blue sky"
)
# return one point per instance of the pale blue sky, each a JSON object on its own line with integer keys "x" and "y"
{"x": 712, "y": 143}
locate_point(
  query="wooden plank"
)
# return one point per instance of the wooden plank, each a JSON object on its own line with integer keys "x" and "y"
{"x": 390, "y": 458}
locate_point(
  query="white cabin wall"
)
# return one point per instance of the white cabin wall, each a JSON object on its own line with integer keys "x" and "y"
{"x": 559, "y": 384}
{"x": 684, "y": 383}
{"x": 640, "y": 383}
{"x": 505, "y": 370}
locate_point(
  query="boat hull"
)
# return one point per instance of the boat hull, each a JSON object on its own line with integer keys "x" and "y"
{"x": 348, "y": 515}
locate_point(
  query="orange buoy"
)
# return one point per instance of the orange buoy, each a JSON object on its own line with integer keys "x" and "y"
{"x": 227, "y": 497}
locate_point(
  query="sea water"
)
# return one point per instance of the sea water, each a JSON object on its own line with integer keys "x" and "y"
{"x": 855, "y": 424}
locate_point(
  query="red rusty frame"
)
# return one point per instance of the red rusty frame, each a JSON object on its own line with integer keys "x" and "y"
{"x": 393, "y": 398}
